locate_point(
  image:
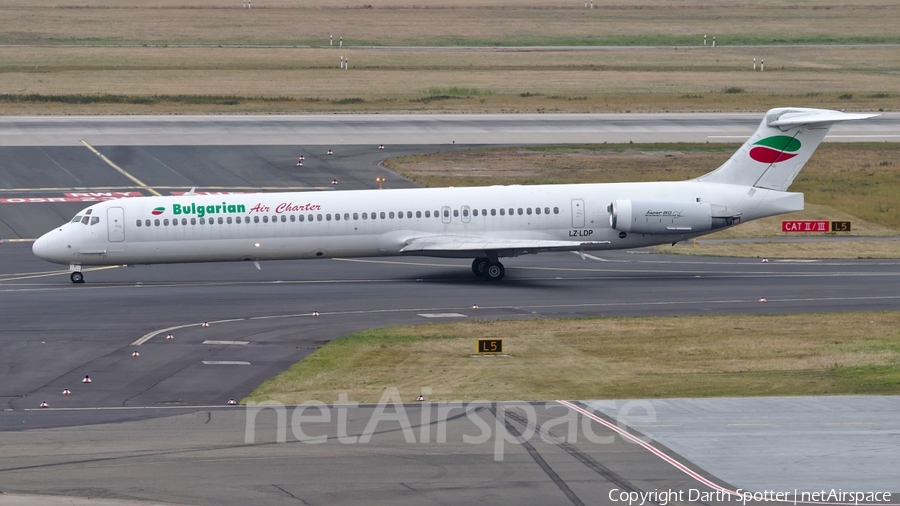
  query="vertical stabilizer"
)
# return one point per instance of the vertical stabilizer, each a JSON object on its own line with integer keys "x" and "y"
{"x": 779, "y": 148}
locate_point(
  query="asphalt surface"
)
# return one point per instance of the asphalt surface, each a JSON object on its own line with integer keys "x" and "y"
{"x": 156, "y": 426}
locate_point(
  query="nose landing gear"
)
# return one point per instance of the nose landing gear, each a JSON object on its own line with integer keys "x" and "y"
{"x": 76, "y": 276}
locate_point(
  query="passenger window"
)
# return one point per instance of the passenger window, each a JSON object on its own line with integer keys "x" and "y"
{"x": 174, "y": 222}
{"x": 310, "y": 217}
{"x": 184, "y": 221}
{"x": 511, "y": 211}
{"x": 194, "y": 221}
{"x": 474, "y": 212}
{"x": 382, "y": 215}
{"x": 365, "y": 216}
{"x": 319, "y": 217}
{"x": 409, "y": 214}
{"x": 146, "y": 223}
{"x": 493, "y": 212}
{"x": 555, "y": 210}
{"x": 446, "y": 213}
{"x": 293, "y": 218}
{"x": 265, "y": 219}
{"x": 139, "y": 223}
{"x": 428, "y": 214}
{"x": 355, "y": 216}
{"x": 537, "y": 210}
{"x": 466, "y": 213}
{"x": 527, "y": 211}
{"x": 436, "y": 215}
{"x": 220, "y": 221}
{"x": 337, "y": 216}
{"x": 255, "y": 219}
{"x": 400, "y": 215}
{"x": 156, "y": 222}
{"x": 502, "y": 212}
{"x": 346, "y": 216}
{"x": 166, "y": 222}
{"x": 284, "y": 218}
{"x": 328, "y": 217}
{"x": 228, "y": 220}
{"x": 95, "y": 220}
{"x": 391, "y": 215}
{"x": 300, "y": 217}
{"x": 484, "y": 212}
{"x": 456, "y": 213}
{"x": 546, "y": 210}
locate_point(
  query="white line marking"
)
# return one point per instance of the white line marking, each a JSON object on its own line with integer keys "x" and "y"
{"x": 592, "y": 257}
{"x": 442, "y": 315}
{"x": 225, "y": 362}
{"x": 146, "y": 337}
{"x": 681, "y": 467}
{"x": 242, "y": 343}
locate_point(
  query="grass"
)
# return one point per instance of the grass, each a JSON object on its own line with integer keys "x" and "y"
{"x": 696, "y": 356}
{"x": 458, "y": 23}
{"x": 857, "y": 181}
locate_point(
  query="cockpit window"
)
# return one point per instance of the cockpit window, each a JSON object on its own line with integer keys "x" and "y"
{"x": 85, "y": 220}
{"x": 95, "y": 220}
{"x": 76, "y": 219}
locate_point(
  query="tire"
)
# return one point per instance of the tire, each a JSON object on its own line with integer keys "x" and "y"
{"x": 77, "y": 277}
{"x": 478, "y": 266}
{"x": 494, "y": 272}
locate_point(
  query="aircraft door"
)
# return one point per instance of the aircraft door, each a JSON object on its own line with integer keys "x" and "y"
{"x": 577, "y": 213}
{"x": 115, "y": 217}
{"x": 445, "y": 214}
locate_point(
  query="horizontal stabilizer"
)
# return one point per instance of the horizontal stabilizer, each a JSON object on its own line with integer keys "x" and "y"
{"x": 813, "y": 117}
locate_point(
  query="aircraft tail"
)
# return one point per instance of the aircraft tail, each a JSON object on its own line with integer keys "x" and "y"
{"x": 781, "y": 146}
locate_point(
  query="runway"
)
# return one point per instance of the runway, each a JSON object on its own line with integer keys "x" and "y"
{"x": 156, "y": 426}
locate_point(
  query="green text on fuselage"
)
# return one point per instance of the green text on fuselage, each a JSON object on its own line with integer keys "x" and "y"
{"x": 202, "y": 211}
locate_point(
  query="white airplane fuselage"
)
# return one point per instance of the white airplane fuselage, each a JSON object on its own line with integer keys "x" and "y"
{"x": 332, "y": 223}
{"x": 483, "y": 223}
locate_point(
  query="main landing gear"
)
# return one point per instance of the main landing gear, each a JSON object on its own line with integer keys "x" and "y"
{"x": 76, "y": 276}
{"x": 493, "y": 271}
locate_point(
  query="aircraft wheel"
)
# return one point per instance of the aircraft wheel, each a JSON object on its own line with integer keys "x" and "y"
{"x": 478, "y": 266}
{"x": 77, "y": 277}
{"x": 494, "y": 272}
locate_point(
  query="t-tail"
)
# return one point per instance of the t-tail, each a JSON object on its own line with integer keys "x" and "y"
{"x": 781, "y": 146}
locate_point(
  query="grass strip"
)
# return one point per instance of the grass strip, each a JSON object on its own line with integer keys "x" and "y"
{"x": 603, "y": 358}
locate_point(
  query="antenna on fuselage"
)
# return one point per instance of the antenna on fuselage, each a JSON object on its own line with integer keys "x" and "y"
{"x": 191, "y": 193}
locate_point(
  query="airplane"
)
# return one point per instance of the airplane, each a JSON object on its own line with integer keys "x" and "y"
{"x": 482, "y": 223}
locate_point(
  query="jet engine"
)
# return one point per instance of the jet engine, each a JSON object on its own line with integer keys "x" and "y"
{"x": 647, "y": 217}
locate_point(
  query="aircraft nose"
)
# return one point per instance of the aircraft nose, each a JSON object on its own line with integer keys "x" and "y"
{"x": 45, "y": 248}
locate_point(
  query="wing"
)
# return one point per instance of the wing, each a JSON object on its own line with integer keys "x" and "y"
{"x": 507, "y": 247}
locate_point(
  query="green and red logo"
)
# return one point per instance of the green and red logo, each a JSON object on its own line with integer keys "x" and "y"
{"x": 158, "y": 211}
{"x": 777, "y": 148}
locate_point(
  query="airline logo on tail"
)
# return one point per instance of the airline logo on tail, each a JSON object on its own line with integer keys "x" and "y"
{"x": 778, "y": 148}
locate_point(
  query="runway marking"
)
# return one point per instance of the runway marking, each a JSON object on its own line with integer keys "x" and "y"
{"x": 17, "y": 240}
{"x": 442, "y": 315}
{"x": 751, "y": 425}
{"x": 239, "y": 343}
{"x": 26, "y": 275}
{"x": 686, "y": 470}
{"x": 146, "y": 337}
{"x": 225, "y": 362}
{"x": 120, "y": 169}
{"x": 592, "y": 257}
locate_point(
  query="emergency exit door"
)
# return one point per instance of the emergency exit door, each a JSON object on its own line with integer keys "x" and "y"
{"x": 115, "y": 217}
{"x": 577, "y": 213}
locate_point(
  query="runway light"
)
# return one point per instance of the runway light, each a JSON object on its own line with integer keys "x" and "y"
{"x": 302, "y": 158}
{"x": 44, "y": 404}
{"x": 315, "y": 313}
{"x": 420, "y": 398}
{"x": 334, "y": 181}
{"x": 300, "y": 164}
{"x": 474, "y": 307}
{"x": 204, "y": 324}
{"x": 135, "y": 354}
{"x": 169, "y": 337}
{"x": 765, "y": 260}
{"x": 329, "y": 152}
{"x": 381, "y": 146}
{"x": 232, "y": 402}
{"x": 87, "y": 379}
{"x": 66, "y": 391}
{"x": 762, "y": 299}
{"x": 380, "y": 181}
